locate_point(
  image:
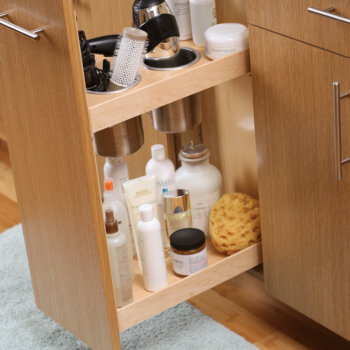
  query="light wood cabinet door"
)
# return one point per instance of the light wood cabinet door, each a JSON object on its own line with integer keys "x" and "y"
{"x": 304, "y": 207}
{"x": 293, "y": 19}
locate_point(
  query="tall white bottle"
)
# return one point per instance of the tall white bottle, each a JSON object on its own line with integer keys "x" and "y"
{"x": 116, "y": 169}
{"x": 181, "y": 10}
{"x": 118, "y": 257}
{"x": 120, "y": 214}
{"x": 203, "y": 16}
{"x": 151, "y": 250}
{"x": 203, "y": 180}
{"x": 164, "y": 170}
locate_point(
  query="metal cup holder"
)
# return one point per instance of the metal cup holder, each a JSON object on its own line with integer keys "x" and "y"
{"x": 184, "y": 58}
{"x": 113, "y": 88}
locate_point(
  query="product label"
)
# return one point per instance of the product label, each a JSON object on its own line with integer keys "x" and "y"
{"x": 189, "y": 264}
{"x": 216, "y": 52}
{"x": 181, "y": 10}
{"x": 201, "y": 207}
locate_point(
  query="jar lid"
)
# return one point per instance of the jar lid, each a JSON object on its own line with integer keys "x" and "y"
{"x": 194, "y": 151}
{"x": 225, "y": 34}
{"x": 187, "y": 239}
{"x": 177, "y": 201}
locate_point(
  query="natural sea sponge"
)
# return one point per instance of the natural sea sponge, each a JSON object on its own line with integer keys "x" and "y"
{"x": 235, "y": 223}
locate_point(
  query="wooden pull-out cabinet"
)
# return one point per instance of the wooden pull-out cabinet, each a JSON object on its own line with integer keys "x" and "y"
{"x": 49, "y": 121}
{"x": 305, "y": 206}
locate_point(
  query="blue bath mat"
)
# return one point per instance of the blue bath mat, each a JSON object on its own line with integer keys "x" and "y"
{"x": 24, "y": 327}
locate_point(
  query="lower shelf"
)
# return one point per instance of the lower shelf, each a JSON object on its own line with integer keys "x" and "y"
{"x": 220, "y": 269}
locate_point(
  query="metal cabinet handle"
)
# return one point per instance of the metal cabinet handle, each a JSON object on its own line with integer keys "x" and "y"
{"x": 29, "y": 33}
{"x": 339, "y": 162}
{"x": 327, "y": 13}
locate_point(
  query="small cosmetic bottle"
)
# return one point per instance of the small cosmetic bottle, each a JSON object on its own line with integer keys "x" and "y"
{"x": 118, "y": 256}
{"x": 177, "y": 210}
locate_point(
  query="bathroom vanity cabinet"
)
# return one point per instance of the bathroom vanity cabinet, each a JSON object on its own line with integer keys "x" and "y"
{"x": 49, "y": 122}
{"x": 303, "y": 144}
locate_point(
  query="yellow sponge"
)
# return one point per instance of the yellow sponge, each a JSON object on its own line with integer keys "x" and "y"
{"x": 235, "y": 223}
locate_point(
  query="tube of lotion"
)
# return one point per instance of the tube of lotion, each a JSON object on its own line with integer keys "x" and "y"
{"x": 139, "y": 191}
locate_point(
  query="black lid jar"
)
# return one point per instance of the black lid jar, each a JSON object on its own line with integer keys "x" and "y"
{"x": 188, "y": 250}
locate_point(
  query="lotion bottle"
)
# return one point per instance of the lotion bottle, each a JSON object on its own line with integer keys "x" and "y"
{"x": 120, "y": 214}
{"x": 181, "y": 10}
{"x": 164, "y": 170}
{"x": 151, "y": 250}
{"x": 202, "y": 179}
{"x": 118, "y": 257}
{"x": 203, "y": 16}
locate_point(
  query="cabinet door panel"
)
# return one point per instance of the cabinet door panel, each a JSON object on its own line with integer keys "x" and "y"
{"x": 304, "y": 208}
{"x": 45, "y": 115}
{"x": 292, "y": 18}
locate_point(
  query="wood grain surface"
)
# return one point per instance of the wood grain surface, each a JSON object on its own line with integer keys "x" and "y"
{"x": 158, "y": 88}
{"x": 242, "y": 305}
{"x": 291, "y": 18}
{"x": 304, "y": 208}
{"x": 228, "y": 120}
{"x": 220, "y": 268}
{"x": 49, "y": 136}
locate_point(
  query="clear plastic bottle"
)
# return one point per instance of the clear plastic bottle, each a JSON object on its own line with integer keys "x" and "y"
{"x": 116, "y": 169}
{"x": 151, "y": 250}
{"x": 120, "y": 214}
{"x": 118, "y": 256}
{"x": 164, "y": 170}
{"x": 181, "y": 10}
{"x": 202, "y": 180}
{"x": 203, "y": 16}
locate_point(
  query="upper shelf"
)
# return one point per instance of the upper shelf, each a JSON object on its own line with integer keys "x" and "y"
{"x": 158, "y": 88}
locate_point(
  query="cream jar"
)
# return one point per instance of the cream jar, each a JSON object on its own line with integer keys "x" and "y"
{"x": 188, "y": 251}
{"x": 226, "y": 38}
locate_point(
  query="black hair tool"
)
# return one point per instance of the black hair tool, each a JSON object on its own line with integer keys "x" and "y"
{"x": 104, "y": 45}
{"x": 155, "y": 18}
{"x": 95, "y": 79}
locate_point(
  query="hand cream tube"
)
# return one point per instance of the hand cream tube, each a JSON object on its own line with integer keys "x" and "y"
{"x": 139, "y": 191}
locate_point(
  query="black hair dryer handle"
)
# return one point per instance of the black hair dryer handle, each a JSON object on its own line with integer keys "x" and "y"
{"x": 104, "y": 45}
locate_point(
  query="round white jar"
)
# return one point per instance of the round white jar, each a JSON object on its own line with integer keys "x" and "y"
{"x": 226, "y": 38}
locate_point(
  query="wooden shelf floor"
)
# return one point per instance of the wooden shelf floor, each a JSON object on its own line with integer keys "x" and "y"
{"x": 240, "y": 304}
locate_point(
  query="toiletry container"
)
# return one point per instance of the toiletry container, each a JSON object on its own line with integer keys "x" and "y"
{"x": 139, "y": 191}
{"x": 115, "y": 168}
{"x": 202, "y": 180}
{"x": 203, "y": 16}
{"x": 118, "y": 256}
{"x": 110, "y": 201}
{"x": 188, "y": 251}
{"x": 181, "y": 10}
{"x": 177, "y": 211}
{"x": 164, "y": 170}
{"x": 151, "y": 250}
{"x": 224, "y": 39}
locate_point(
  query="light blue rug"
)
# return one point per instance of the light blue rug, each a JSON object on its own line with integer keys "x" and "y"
{"x": 24, "y": 327}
